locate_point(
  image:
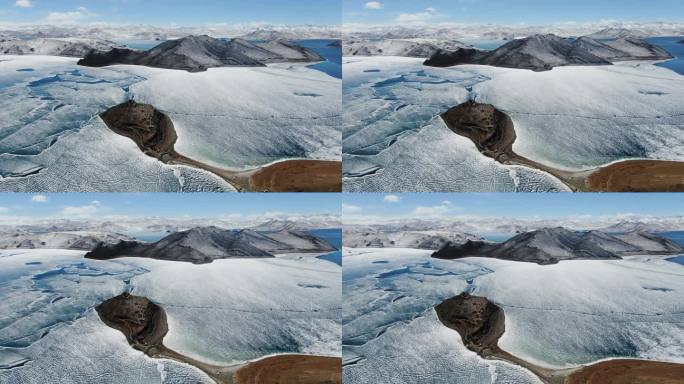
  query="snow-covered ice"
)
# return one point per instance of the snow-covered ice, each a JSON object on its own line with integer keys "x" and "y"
{"x": 574, "y": 117}
{"x": 225, "y": 312}
{"x": 566, "y": 314}
{"x": 51, "y": 138}
{"x": 237, "y": 310}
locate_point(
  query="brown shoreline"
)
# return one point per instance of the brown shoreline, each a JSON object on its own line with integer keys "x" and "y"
{"x": 154, "y": 133}
{"x": 481, "y": 323}
{"x": 144, "y": 325}
{"x": 493, "y": 133}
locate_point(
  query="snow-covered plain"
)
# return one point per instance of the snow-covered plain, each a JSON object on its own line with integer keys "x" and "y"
{"x": 223, "y": 312}
{"x": 569, "y": 117}
{"x": 570, "y": 313}
{"x": 51, "y": 138}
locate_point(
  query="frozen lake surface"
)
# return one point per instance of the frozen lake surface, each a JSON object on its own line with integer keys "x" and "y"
{"x": 51, "y": 138}
{"x": 566, "y": 314}
{"x": 225, "y": 312}
{"x": 571, "y": 118}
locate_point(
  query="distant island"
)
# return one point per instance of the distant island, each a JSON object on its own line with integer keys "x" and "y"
{"x": 481, "y": 323}
{"x": 198, "y": 53}
{"x": 205, "y": 244}
{"x": 551, "y": 245}
{"x": 544, "y": 52}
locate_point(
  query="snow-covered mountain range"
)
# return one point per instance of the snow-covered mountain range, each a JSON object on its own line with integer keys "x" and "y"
{"x": 150, "y": 32}
{"x": 445, "y": 31}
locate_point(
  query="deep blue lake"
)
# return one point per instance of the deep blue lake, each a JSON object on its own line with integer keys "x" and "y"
{"x": 333, "y": 56}
{"x": 672, "y": 45}
{"x": 334, "y": 237}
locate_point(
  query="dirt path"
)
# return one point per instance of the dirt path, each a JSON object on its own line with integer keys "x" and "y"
{"x": 481, "y": 323}
{"x": 144, "y": 325}
{"x": 154, "y": 133}
{"x": 493, "y": 133}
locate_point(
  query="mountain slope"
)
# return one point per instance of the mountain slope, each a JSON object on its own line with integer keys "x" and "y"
{"x": 82, "y": 240}
{"x": 192, "y": 53}
{"x": 398, "y": 47}
{"x": 72, "y": 47}
{"x": 551, "y": 245}
{"x": 205, "y": 244}
{"x": 198, "y": 53}
{"x": 543, "y": 52}
{"x": 198, "y": 245}
{"x": 404, "y": 239}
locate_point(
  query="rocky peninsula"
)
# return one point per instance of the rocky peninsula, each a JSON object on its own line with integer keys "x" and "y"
{"x": 144, "y": 325}
{"x": 154, "y": 133}
{"x": 493, "y": 133}
{"x": 481, "y": 324}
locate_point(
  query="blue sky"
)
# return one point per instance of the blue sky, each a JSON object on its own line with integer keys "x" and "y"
{"x": 512, "y": 205}
{"x": 201, "y": 205}
{"x": 533, "y": 12}
{"x": 165, "y": 12}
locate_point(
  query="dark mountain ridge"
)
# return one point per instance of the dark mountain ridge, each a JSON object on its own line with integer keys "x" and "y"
{"x": 206, "y": 244}
{"x": 198, "y": 53}
{"x": 543, "y": 52}
{"x": 551, "y": 245}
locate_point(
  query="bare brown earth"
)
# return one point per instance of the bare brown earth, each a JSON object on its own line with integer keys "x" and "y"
{"x": 481, "y": 323}
{"x": 298, "y": 176}
{"x": 629, "y": 372}
{"x": 493, "y": 133}
{"x": 154, "y": 133}
{"x": 638, "y": 176}
{"x": 144, "y": 325}
{"x": 292, "y": 369}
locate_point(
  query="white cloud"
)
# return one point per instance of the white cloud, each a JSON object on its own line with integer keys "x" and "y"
{"x": 3, "y": 209}
{"x": 351, "y": 209}
{"x": 69, "y": 17}
{"x": 419, "y": 17}
{"x": 23, "y": 3}
{"x": 39, "y": 199}
{"x": 373, "y": 5}
{"x": 83, "y": 210}
{"x": 391, "y": 199}
{"x": 445, "y": 207}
